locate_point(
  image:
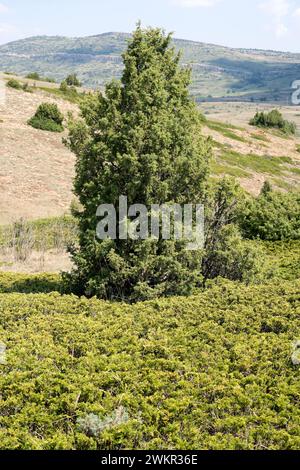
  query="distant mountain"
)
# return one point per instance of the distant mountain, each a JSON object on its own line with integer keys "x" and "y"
{"x": 218, "y": 72}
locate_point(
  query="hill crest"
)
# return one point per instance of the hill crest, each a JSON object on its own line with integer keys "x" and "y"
{"x": 219, "y": 72}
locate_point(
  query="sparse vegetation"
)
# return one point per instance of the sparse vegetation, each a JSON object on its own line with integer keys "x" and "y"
{"x": 37, "y": 246}
{"x": 47, "y": 118}
{"x": 66, "y": 93}
{"x": 33, "y": 76}
{"x": 36, "y": 76}
{"x": 13, "y": 83}
{"x": 225, "y": 129}
{"x": 295, "y": 170}
{"x": 223, "y": 169}
{"x": 43, "y": 234}
{"x": 69, "y": 91}
{"x": 259, "y": 163}
{"x": 260, "y": 137}
{"x": 26, "y": 88}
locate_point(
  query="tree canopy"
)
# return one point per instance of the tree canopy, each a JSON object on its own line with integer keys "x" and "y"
{"x": 140, "y": 139}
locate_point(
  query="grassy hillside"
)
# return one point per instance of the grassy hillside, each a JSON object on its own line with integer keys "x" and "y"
{"x": 212, "y": 371}
{"x": 37, "y": 169}
{"x": 217, "y": 71}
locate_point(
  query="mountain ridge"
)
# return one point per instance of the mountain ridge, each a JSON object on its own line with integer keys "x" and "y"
{"x": 221, "y": 72}
{"x": 192, "y": 41}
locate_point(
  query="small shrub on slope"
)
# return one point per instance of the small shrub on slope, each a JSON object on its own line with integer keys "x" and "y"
{"x": 72, "y": 80}
{"x": 13, "y": 83}
{"x": 33, "y": 76}
{"x": 275, "y": 120}
{"x": 47, "y": 118}
{"x": 37, "y": 77}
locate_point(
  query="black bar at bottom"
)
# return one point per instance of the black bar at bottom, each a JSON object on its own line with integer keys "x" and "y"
{"x": 134, "y": 459}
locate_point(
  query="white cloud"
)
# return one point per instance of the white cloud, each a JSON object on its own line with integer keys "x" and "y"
{"x": 277, "y": 10}
{"x": 297, "y": 12}
{"x": 7, "y": 28}
{"x": 3, "y": 8}
{"x": 196, "y": 3}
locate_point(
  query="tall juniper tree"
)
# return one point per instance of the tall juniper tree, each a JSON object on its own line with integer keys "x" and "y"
{"x": 140, "y": 139}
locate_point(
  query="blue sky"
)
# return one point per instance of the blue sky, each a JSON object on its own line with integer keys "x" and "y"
{"x": 266, "y": 24}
